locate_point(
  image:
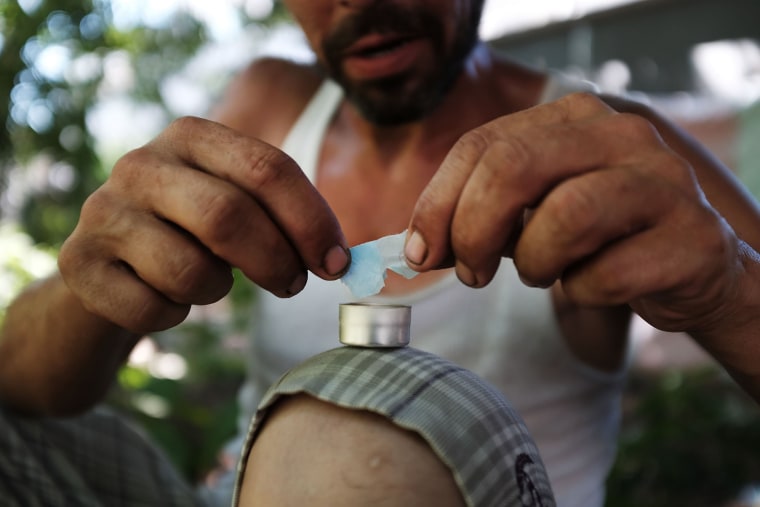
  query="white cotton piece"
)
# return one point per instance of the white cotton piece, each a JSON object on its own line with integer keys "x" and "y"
{"x": 369, "y": 262}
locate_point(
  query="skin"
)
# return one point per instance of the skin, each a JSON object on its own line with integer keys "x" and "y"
{"x": 625, "y": 213}
{"x": 314, "y": 453}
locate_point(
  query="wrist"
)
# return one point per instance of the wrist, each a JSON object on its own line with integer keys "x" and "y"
{"x": 733, "y": 336}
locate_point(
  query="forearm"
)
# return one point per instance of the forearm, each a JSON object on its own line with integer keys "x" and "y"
{"x": 57, "y": 358}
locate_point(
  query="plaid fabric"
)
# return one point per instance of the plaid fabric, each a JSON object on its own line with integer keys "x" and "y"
{"x": 470, "y": 425}
{"x": 94, "y": 460}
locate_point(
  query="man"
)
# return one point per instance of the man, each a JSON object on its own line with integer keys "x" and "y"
{"x": 599, "y": 202}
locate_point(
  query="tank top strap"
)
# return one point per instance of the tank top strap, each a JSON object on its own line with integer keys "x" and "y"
{"x": 304, "y": 141}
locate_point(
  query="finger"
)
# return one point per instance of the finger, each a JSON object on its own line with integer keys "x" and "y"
{"x": 429, "y": 242}
{"x": 165, "y": 257}
{"x": 518, "y": 171}
{"x": 489, "y": 212}
{"x": 177, "y": 266}
{"x": 229, "y": 223}
{"x": 135, "y": 306}
{"x": 275, "y": 181}
{"x": 644, "y": 270}
{"x": 584, "y": 214}
{"x": 663, "y": 272}
{"x": 623, "y": 271}
{"x": 163, "y": 269}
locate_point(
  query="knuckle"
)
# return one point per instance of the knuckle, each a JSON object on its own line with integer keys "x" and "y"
{"x": 199, "y": 281}
{"x": 571, "y": 204}
{"x": 514, "y": 157}
{"x": 187, "y": 276}
{"x": 70, "y": 260}
{"x": 573, "y": 210}
{"x": 473, "y": 141}
{"x": 129, "y": 170}
{"x": 635, "y": 126}
{"x": 180, "y": 135}
{"x": 585, "y": 101}
{"x": 263, "y": 168}
{"x": 718, "y": 240}
{"x": 95, "y": 208}
{"x": 182, "y": 126}
{"x": 221, "y": 218}
{"x": 607, "y": 285}
{"x": 680, "y": 170}
{"x": 105, "y": 217}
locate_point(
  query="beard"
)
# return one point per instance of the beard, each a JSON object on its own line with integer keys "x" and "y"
{"x": 407, "y": 97}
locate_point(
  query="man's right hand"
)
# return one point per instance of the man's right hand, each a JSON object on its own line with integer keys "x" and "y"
{"x": 163, "y": 232}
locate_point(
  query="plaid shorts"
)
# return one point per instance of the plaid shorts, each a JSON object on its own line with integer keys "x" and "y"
{"x": 467, "y": 423}
{"x": 95, "y": 460}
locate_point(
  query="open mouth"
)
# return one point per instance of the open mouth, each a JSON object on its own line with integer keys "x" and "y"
{"x": 380, "y": 49}
{"x": 374, "y": 46}
{"x": 376, "y": 56}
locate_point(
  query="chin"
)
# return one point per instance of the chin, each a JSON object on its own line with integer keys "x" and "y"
{"x": 392, "y": 116}
{"x": 395, "y": 103}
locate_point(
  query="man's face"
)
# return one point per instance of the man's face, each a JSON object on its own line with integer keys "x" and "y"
{"x": 395, "y": 59}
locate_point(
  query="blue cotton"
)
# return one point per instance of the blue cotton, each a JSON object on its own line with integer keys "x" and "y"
{"x": 366, "y": 275}
{"x": 369, "y": 262}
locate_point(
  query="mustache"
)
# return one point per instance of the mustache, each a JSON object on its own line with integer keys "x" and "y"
{"x": 380, "y": 18}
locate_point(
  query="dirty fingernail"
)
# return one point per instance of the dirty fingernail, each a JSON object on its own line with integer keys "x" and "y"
{"x": 336, "y": 260}
{"x": 415, "y": 250}
{"x": 466, "y": 276}
{"x": 298, "y": 284}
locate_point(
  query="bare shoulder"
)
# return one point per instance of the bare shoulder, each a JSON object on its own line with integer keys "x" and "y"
{"x": 265, "y": 98}
{"x": 519, "y": 86}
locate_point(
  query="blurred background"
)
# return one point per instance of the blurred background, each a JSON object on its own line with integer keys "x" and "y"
{"x": 88, "y": 80}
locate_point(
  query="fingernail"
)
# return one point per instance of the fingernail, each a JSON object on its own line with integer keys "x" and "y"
{"x": 298, "y": 284}
{"x": 336, "y": 260}
{"x": 415, "y": 250}
{"x": 466, "y": 276}
{"x": 532, "y": 283}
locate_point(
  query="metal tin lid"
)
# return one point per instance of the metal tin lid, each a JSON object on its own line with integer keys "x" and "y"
{"x": 374, "y": 325}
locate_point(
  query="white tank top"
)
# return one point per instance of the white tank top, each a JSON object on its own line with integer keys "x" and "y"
{"x": 505, "y": 332}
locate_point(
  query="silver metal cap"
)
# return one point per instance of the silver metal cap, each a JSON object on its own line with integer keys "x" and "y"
{"x": 374, "y": 325}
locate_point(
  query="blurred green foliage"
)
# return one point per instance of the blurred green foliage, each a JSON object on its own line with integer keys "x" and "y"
{"x": 21, "y": 262}
{"x": 47, "y": 112}
{"x": 688, "y": 438}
